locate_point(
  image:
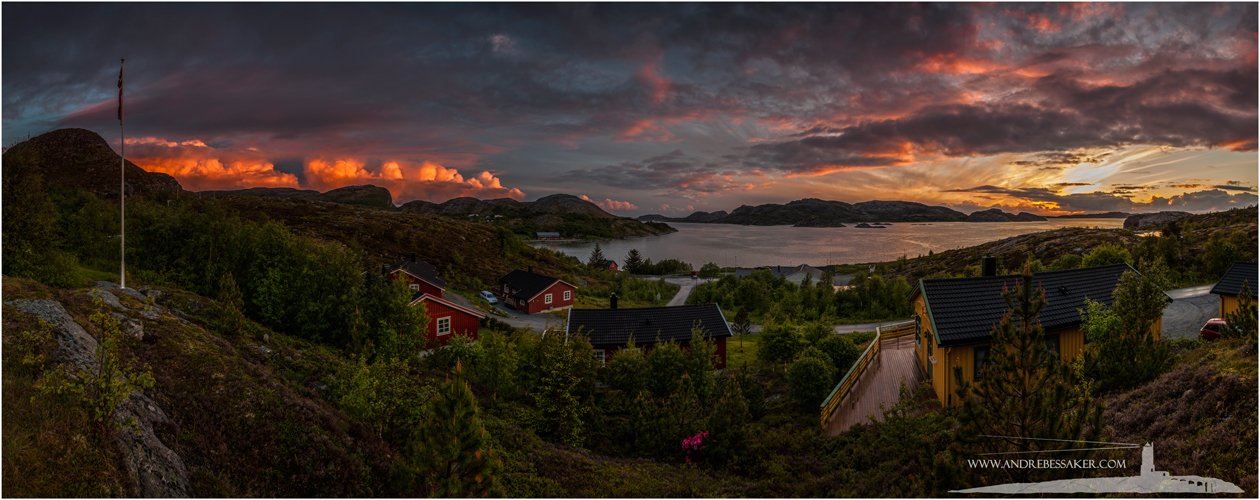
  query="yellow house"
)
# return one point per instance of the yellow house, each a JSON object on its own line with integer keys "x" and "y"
{"x": 954, "y": 318}
{"x": 1230, "y": 285}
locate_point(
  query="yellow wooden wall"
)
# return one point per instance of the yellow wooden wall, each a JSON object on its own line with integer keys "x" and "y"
{"x": 1228, "y": 305}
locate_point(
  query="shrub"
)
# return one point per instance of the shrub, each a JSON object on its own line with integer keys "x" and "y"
{"x": 1106, "y": 255}
{"x": 666, "y": 366}
{"x": 842, "y": 352}
{"x": 809, "y": 379}
{"x": 778, "y": 343}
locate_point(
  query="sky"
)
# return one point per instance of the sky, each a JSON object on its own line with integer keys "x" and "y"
{"x": 663, "y": 108}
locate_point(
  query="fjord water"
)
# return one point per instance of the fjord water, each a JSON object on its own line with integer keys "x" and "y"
{"x": 751, "y": 246}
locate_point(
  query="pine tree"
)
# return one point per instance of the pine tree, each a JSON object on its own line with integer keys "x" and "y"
{"x": 450, "y": 455}
{"x": 556, "y": 394}
{"x": 728, "y": 423}
{"x": 1026, "y": 394}
{"x": 597, "y": 256}
{"x": 230, "y": 300}
{"x": 634, "y": 260}
{"x": 1128, "y": 354}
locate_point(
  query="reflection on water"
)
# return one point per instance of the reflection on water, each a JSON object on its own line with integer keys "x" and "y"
{"x": 750, "y": 246}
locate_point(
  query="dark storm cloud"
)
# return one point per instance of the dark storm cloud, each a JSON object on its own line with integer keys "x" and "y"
{"x": 832, "y": 86}
{"x": 1235, "y": 186}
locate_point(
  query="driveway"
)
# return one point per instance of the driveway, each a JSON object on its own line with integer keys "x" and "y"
{"x": 515, "y": 318}
{"x": 685, "y": 285}
{"x": 843, "y": 329}
{"x": 1190, "y": 309}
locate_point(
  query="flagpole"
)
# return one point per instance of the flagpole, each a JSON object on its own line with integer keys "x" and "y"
{"x": 122, "y": 189}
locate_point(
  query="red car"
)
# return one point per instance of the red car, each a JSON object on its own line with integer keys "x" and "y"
{"x": 1212, "y": 330}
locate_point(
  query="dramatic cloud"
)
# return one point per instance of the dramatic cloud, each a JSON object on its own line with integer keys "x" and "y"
{"x": 1045, "y": 199}
{"x": 662, "y": 102}
{"x": 611, "y": 205}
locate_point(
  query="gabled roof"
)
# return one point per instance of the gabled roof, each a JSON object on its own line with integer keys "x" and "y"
{"x": 422, "y": 297}
{"x": 1231, "y": 283}
{"x": 963, "y": 311}
{"x": 421, "y": 270}
{"x": 615, "y": 327}
{"x": 607, "y": 263}
{"x": 528, "y": 284}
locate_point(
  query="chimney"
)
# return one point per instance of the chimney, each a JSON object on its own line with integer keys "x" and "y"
{"x": 612, "y": 301}
{"x": 413, "y": 256}
{"x": 988, "y": 266}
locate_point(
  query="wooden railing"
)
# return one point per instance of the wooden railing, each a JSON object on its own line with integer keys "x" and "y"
{"x": 828, "y": 406}
{"x": 898, "y": 330}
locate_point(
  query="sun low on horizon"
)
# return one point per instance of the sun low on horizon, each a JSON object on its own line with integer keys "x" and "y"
{"x": 1050, "y": 108}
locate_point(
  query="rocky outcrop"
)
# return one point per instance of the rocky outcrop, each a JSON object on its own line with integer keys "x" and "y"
{"x": 819, "y": 222}
{"x": 1153, "y": 220}
{"x": 997, "y": 215}
{"x": 907, "y": 211}
{"x": 704, "y": 216}
{"x": 81, "y": 158}
{"x": 155, "y": 470}
{"x": 653, "y": 218}
{"x": 868, "y": 226}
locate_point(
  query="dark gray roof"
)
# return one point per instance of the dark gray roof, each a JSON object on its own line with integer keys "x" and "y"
{"x": 420, "y": 269}
{"x": 964, "y": 311}
{"x": 614, "y": 327}
{"x": 1231, "y": 283}
{"x": 529, "y": 284}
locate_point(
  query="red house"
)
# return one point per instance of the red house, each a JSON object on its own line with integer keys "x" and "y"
{"x": 533, "y": 293}
{"x": 421, "y": 275}
{"x": 610, "y": 265}
{"x": 446, "y": 318}
{"x": 610, "y": 330}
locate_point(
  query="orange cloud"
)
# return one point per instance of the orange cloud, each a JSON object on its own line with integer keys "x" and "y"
{"x": 215, "y": 174}
{"x": 612, "y": 205}
{"x": 424, "y": 181}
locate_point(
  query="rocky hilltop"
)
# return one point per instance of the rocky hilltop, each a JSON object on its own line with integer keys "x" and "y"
{"x": 997, "y": 215}
{"x": 694, "y": 217}
{"x": 81, "y": 158}
{"x": 554, "y": 204}
{"x": 369, "y": 195}
{"x": 1153, "y": 220}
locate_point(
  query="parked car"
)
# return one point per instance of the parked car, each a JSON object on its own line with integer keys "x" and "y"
{"x": 489, "y": 297}
{"x": 1212, "y": 330}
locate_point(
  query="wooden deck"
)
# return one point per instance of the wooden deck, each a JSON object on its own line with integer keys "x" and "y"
{"x": 881, "y": 383}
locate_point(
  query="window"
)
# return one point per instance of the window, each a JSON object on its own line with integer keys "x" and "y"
{"x": 568, "y": 295}
{"x": 444, "y": 326}
{"x": 918, "y": 331}
{"x": 599, "y": 354}
{"x": 981, "y": 355}
{"x": 547, "y": 299}
{"x": 415, "y": 287}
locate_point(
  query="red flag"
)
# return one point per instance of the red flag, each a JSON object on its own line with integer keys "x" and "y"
{"x": 120, "y": 90}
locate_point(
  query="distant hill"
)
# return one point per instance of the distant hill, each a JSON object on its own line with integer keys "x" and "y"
{"x": 569, "y": 215}
{"x": 694, "y": 217}
{"x": 81, "y": 158}
{"x": 813, "y": 212}
{"x": 997, "y": 215}
{"x": 369, "y": 195}
{"x": 1104, "y": 215}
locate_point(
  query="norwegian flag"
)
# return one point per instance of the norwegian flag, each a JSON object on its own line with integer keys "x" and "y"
{"x": 120, "y": 89}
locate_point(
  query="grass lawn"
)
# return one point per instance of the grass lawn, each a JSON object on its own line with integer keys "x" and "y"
{"x": 741, "y": 349}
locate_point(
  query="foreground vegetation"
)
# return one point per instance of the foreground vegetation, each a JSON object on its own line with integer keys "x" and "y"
{"x": 284, "y": 374}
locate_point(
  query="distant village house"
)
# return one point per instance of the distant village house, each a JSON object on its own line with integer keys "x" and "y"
{"x": 533, "y": 293}
{"x": 1231, "y": 285}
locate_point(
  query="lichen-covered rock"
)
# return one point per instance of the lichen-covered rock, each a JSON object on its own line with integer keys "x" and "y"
{"x": 106, "y": 297}
{"x": 156, "y": 471}
{"x": 1153, "y": 220}
{"x": 130, "y": 327}
{"x": 113, "y": 287}
{"x": 74, "y": 344}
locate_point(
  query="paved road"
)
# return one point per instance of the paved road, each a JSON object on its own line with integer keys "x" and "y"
{"x": 1190, "y": 309}
{"x": 515, "y": 318}
{"x": 843, "y": 329}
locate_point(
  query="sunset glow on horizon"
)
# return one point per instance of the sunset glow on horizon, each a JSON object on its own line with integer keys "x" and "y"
{"x": 668, "y": 108}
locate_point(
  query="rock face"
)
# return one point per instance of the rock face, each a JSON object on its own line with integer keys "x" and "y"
{"x": 556, "y": 204}
{"x": 997, "y": 215}
{"x": 1153, "y": 220}
{"x": 368, "y": 194}
{"x": 81, "y": 158}
{"x": 156, "y": 471}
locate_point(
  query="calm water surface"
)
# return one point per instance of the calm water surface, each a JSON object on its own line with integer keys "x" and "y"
{"x": 750, "y": 246}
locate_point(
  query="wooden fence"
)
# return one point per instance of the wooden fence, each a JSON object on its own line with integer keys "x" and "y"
{"x": 837, "y": 395}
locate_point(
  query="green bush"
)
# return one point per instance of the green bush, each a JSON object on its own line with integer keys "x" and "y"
{"x": 778, "y": 343}
{"x": 842, "y": 352}
{"x": 809, "y": 380}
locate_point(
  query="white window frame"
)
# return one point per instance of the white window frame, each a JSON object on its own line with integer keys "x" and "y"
{"x": 447, "y": 320}
{"x": 547, "y": 299}
{"x": 415, "y": 287}
{"x": 568, "y": 295}
{"x": 599, "y": 354}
